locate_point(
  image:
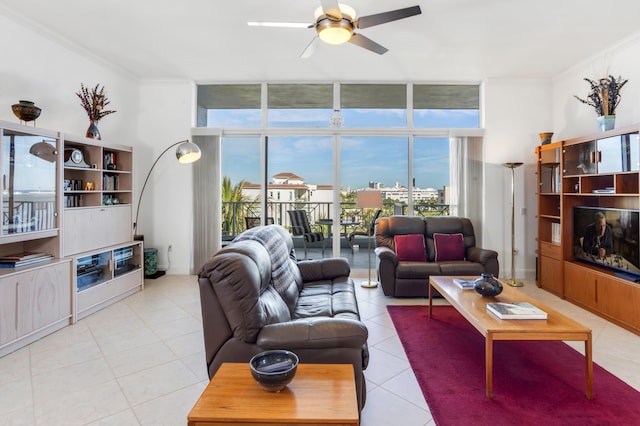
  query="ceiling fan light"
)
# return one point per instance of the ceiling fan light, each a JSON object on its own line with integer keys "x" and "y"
{"x": 335, "y": 34}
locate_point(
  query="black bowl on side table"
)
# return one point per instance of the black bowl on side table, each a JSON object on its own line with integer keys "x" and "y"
{"x": 273, "y": 370}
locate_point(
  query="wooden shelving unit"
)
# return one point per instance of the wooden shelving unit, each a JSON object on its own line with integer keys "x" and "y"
{"x": 47, "y": 208}
{"x": 603, "y": 171}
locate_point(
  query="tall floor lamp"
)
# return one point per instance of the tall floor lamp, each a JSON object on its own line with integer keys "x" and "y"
{"x": 369, "y": 200}
{"x": 187, "y": 152}
{"x": 512, "y": 282}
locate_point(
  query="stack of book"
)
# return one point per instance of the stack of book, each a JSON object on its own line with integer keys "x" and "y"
{"x": 516, "y": 310}
{"x": 464, "y": 283}
{"x": 23, "y": 259}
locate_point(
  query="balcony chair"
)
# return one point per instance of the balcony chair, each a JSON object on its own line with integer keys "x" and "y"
{"x": 351, "y": 237}
{"x": 253, "y": 221}
{"x": 300, "y": 227}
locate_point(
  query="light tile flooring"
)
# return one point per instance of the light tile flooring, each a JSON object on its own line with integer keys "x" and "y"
{"x": 141, "y": 362}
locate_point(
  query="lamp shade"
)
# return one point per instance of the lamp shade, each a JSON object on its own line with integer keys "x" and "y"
{"x": 188, "y": 152}
{"x": 45, "y": 151}
{"x": 369, "y": 199}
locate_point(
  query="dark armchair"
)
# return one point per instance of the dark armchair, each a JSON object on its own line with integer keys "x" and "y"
{"x": 256, "y": 297}
{"x": 300, "y": 227}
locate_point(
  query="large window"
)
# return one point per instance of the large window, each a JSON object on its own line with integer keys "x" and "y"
{"x": 446, "y": 106}
{"x": 439, "y": 106}
{"x": 300, "y": 105}
{"x": 390, "y": 137}
{"x": 241, "y": 184}
{"x": 233, "y": 105}
{"x": 374, "y": 105}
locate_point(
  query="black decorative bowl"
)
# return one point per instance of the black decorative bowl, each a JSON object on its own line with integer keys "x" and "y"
{"x": 487, "y": 285}
{"x": 273, "y": 370}
{"x": 26, "y": 110}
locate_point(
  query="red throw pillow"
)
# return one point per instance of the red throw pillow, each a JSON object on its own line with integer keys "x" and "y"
{"x": 448, "y": 247}
{"x": 410, "y": 247}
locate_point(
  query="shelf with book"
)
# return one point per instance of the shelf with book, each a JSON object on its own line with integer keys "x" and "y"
{"x": 598, "y": 172}
{"x": 551, "y": 185}
{"x": 103, "y": 174}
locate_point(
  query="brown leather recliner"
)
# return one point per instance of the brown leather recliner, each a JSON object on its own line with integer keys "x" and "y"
{"x": 411, "y": 279}
{"x": 256, "y": 297}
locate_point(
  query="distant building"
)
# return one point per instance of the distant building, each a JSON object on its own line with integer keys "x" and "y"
{"x": 400, "y": 193}
{"x": 289, "y": 187}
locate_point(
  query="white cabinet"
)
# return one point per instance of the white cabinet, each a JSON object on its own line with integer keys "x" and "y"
{"x": 106, "y": 276}
{"x": 68, "y": 197}
{"x": 8, "y": 310}
{"x": 34, "y": 303}
{"x": 88, "y": 228}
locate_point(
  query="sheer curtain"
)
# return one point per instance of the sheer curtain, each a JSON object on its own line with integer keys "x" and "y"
{"x": 466, "y": 177}
{"x": 207, "y": 203}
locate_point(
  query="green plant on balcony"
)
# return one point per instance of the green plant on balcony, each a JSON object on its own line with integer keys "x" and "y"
{"x": 231, "y": 197}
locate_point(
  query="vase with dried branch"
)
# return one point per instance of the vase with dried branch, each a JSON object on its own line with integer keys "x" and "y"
{"x": 604, "y": 97}
{"x": 94, "y": 102}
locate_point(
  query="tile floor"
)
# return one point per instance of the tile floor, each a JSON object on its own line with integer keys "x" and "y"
{"x": 141, "y": 362}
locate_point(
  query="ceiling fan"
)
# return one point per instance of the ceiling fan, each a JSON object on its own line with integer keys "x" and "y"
{"x": 335, "y": 23}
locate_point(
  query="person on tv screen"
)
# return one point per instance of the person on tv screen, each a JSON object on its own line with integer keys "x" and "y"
{"x": 598, "y": 239}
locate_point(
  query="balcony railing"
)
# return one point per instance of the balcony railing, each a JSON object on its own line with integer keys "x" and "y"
{"x": 234, "y": 213}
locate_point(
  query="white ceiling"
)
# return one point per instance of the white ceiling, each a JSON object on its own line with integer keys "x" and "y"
{"x": 209, "y": 40}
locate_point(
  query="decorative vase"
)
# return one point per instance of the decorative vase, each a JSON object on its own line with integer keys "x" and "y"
{"x": 487, "y": 285}
{"x": 92, "y": 131}
{"x": 606, "y": 122}
{"x": 545, "y": 138}
{"x": 26, "y": 111}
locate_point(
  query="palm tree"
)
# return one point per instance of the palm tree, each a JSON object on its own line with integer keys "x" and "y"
{"x": 231, "y": 197}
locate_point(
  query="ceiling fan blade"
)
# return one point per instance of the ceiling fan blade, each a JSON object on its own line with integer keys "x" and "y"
{"x": 384, "y": 17}
{"x": 331, "y": 8}
{"x": 367, "y": 43}
{"x": 280, "y": 24}
{"x": 308, "y": 51}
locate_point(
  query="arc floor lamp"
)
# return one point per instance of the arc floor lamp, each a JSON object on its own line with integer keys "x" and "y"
{"x": 512, "y": 282}
{"x": 186, "y": 152}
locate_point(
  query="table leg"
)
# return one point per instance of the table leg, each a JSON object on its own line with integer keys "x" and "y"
{"x": 589, "y": 366}
{"x": 430, "y": 297}
{"x": 489, "y": 364}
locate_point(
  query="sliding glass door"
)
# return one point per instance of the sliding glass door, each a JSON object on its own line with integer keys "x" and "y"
{"x": 241, "y": 184}
{"x": 299, "y": 176}
{"x": 431, "y": 188}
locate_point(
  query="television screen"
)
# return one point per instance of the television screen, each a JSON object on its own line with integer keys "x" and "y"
{"x": 607, "y": 237}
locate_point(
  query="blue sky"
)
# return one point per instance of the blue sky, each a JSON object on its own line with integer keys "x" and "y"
{"x": 362, "y": 159}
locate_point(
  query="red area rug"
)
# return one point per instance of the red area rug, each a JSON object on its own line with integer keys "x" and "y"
{"x": 534, "y": 383}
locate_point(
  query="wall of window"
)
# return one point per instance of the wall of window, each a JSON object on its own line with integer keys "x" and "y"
{"x": 285, "y": 145}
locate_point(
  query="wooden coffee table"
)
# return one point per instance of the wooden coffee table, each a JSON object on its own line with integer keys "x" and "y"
{"x": 319, "y": 394}
{"x": 473, "y": 307}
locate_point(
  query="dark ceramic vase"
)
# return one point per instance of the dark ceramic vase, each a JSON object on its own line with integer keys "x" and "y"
{"x": 26, "y": 111}
{"x": 487, "y": 286}
{"x": 92, "y": 131}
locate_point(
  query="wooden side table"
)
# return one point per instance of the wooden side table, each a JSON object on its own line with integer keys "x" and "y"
{"x": 319, "y": 394}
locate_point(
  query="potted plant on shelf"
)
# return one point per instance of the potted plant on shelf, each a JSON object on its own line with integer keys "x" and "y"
{"x": 604, "y": 97}
{"x": 93, "y": 101}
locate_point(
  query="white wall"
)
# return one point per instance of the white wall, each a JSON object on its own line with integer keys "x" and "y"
{"x": 166, "y": 115}
{"x": 39, "y": 68}
{"x": 515, "y": 112}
